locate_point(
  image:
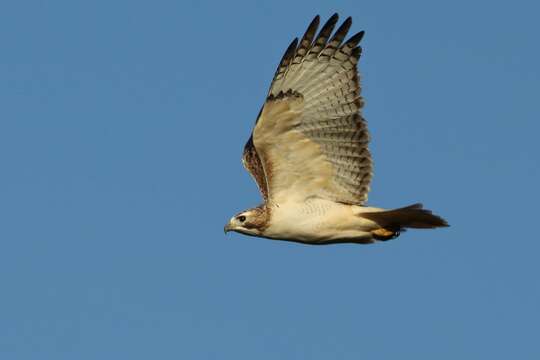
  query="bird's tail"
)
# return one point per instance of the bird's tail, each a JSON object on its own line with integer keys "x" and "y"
{"x": 396, "y": 220}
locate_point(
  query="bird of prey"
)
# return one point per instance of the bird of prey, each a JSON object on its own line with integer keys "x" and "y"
{"x": 308, "y": 151}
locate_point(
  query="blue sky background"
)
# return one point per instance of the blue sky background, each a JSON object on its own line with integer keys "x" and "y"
{"x": 121, "y": 130}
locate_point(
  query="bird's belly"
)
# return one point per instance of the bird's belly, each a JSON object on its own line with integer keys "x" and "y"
{"x": 316, "y": 221}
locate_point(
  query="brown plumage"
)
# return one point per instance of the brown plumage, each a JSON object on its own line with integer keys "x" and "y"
{"x": 308, "y": 152}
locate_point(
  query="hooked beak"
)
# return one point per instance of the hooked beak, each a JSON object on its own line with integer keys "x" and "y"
{"x": 227, "y": 228}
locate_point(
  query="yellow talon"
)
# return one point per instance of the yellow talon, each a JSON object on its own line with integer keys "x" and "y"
{"x": 384, "y": 234}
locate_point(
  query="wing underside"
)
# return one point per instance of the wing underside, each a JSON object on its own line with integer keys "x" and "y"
{"x": 310, "y": 138}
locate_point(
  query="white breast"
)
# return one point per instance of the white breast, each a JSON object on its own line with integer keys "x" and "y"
{"x": 316, "y": 220}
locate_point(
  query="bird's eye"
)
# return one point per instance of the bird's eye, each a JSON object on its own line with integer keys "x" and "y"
{"x": 241, "y": 218}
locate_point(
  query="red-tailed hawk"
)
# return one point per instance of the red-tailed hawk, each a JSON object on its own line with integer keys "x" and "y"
{"x": 309, "y": 152}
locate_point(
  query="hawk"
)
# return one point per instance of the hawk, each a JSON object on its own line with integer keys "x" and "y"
{"x": 308, "y": 151}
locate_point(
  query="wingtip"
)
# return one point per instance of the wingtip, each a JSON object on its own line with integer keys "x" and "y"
{"x": 292, "y": 45}
{"x": 333, "y": 19}
{"x": 360, "y": 35}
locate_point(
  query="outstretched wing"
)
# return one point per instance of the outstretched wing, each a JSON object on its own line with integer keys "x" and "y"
{"x": 310, "y": 139}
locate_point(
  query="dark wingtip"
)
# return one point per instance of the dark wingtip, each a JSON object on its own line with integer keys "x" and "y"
{"x": 356, "y": 38}
{"x": 342, "y": 31}
{"x": 356, "y": 52}
{"x": 311, "y": 29}
{"x": 333, "y": 19}
{"x": 290, "y": 49}
{"x": 314, "y": 23}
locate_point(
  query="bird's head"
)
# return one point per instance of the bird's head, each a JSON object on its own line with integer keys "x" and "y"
{"x": 248, "y": 222}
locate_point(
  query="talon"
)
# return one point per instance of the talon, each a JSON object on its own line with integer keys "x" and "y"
{"x": 384, "y": 234}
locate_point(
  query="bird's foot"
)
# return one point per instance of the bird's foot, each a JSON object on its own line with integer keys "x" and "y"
{"x": 383, "y": 234}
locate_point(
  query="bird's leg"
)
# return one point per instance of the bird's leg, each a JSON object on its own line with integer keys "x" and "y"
{"x": 385, "y": 234}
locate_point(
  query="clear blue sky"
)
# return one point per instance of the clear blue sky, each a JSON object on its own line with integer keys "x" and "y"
{"x": 121, "y": 130}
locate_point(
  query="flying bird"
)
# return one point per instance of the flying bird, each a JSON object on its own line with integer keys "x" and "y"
{"x": 308, "y": 151}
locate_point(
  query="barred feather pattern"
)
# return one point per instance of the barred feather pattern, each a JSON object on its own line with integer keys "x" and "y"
{"x": 323, "y": 70}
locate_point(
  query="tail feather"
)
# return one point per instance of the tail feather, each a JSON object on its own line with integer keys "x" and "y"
{"x": 413, "y": 216}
